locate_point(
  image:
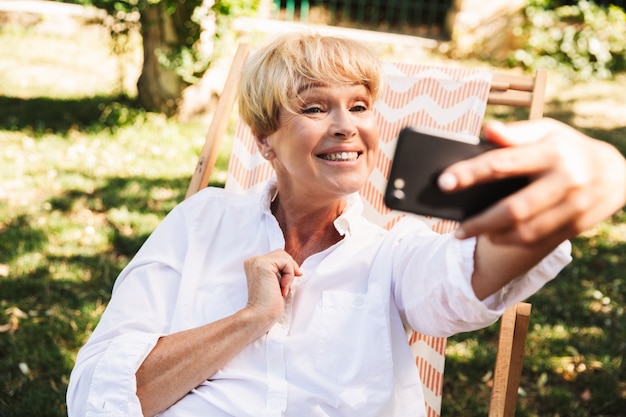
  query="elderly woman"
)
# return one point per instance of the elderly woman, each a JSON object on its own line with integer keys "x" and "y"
{"x": 290, "y": 303}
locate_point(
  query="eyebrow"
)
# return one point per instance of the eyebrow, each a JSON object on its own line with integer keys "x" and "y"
{"x": 309, "y": 86}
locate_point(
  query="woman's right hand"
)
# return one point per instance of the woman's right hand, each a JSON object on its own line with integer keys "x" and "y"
{"x": 269, "y": 279}
{"x": 577, "y": 182}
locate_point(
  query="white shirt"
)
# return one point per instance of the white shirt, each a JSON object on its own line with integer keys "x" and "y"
{"x": 341, "y": 347}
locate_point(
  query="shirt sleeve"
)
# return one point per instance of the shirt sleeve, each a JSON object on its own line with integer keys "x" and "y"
{"x": 103, "y": 381}
{"x": 432, "y": 282}
{"x": 105, "y": 384}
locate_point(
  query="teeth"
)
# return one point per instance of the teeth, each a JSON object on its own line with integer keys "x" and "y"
{"x": 340, "y": 156}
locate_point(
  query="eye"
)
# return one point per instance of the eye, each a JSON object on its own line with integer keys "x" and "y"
{"x": 359, "y": 108}
{"x": 312, "y": 110}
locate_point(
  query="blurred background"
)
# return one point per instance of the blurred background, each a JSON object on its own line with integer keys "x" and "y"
{"x": 104, "y": 105}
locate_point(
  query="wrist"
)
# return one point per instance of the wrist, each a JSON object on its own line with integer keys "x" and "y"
{"x": 256, "y": 321}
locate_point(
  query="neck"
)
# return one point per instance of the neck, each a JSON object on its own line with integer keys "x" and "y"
{"x": 307, "y": 229}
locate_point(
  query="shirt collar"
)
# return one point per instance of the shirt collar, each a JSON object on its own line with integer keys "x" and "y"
{"x": 345, "y": 223}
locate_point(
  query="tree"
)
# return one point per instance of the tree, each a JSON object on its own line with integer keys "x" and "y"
{"x": 178, "y": 41}
{"x": 163, "y": 32}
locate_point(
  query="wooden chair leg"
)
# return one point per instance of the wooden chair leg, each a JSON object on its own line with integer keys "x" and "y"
{"x": 509, "y": 360}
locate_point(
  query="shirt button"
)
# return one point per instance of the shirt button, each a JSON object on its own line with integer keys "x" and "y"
{"x": 359, "y": 300}
{"x": 283, "y": 319}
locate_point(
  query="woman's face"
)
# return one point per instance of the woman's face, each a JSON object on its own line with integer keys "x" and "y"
{"x": 327, "y": 149}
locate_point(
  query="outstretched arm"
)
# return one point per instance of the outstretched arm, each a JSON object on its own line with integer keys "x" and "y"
{"x": 577, "y": 182}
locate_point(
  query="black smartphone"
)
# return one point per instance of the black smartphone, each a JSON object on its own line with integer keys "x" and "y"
{"x": 419, "y": 159}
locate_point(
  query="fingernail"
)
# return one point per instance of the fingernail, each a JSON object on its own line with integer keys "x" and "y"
{"x": 447, "y": 181}
{"x": 460, "y": 234}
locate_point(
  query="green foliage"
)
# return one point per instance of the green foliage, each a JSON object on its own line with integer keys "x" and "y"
{"x": 582, "y": 40}
{"x": 186, "y": 59}
{"x": 85, "y": 178}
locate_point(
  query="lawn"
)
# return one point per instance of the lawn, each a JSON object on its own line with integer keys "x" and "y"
{"x": 86, "y": 175}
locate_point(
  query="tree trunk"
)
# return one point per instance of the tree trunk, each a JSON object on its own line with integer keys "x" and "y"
{"x": 159, "y": 88}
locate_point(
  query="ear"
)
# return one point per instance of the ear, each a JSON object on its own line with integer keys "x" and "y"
{"x": 263, "y": 144}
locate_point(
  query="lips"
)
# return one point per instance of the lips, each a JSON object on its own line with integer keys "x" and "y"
{"x": 340, "y": 156}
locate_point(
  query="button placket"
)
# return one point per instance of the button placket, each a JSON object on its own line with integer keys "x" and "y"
{"x": 275, "y": 355}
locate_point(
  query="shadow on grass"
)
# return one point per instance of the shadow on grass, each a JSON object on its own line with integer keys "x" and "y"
{"x": 57, "y": 313}
{"x": 575, "y": 348}
{"x": 53, "y": 115}
{"x": 583, "y": 315}
{"x": 19, "y": 236}
{"x": 60, "y": 298}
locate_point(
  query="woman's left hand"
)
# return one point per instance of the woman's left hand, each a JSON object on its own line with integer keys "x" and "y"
{"x": 576, "y": 182}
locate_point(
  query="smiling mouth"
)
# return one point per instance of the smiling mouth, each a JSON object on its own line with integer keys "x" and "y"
{"x": 340, "y": 156}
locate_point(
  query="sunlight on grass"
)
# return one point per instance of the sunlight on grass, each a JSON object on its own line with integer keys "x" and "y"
{"x": 463, "y": 351}
{"x": 87, "y": 175}
{"x": 85, "y": 179}
{"x": 57, "y": 65}
{"x": 130, "y": 223}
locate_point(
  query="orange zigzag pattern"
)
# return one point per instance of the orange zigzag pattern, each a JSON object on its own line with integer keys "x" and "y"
{"x": 431, "y": 377}
{"x": 244, "y": 135}
{"x": 383, "y": 163}
{"x": 431, "y": 412}
{"x": 433, "y": 88}
{"x": 438, "y": 344}
{"x": 445, "y": 226}
{"x": 411, "y": 70}
{"x": 388, "y": 131}
{"x": 247, "y": 178}
{"x": 374, "y": 197}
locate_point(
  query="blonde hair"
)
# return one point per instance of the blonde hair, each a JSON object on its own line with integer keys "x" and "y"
{"x": 274, "y": 74}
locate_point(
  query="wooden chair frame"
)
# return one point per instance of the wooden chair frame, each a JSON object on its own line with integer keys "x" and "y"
{"x": 506, "y": 89}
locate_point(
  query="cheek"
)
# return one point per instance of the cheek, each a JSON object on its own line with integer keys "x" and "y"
{"x": 369, "y": 132}
{"x": 371, "y": 139}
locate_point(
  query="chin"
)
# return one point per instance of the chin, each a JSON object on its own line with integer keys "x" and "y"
{"x": 353, "y": 187}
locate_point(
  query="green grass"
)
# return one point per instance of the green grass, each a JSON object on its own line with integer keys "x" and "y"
{"x": 86, "y": 176}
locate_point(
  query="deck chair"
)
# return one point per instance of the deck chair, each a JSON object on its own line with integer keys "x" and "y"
{"x": 452, "y": 99}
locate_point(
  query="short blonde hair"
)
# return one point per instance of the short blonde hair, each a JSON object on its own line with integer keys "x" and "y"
{"x": 274, "y": 74}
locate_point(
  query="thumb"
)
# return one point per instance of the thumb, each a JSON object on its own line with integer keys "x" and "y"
{"x": 287, "y": 275}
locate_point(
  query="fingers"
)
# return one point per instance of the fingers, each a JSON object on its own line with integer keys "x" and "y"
{"x": 269, "y": 279}
{"x": 555, "y": 197}
{"x": 530, "y": 148}
{"x": 518, "y": 211}
{"x": 576, "y": 182}
{"x": 287, "y": 272}
{"x": 552, "y": 224}
{"x": 527, "y": 160}
{"x": 276, "y": 268}
{"x": 533, "y": 220}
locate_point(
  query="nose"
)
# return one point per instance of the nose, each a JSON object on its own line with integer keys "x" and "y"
{"x": 342, "y": 125}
